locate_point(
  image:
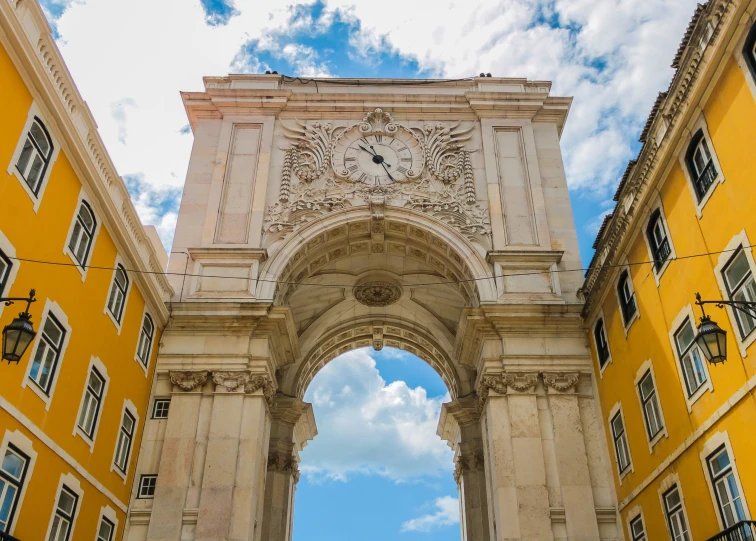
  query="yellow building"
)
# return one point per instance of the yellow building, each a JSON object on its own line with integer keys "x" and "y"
{"x": 73, "y": 408}
{"x": 681, "y": 430}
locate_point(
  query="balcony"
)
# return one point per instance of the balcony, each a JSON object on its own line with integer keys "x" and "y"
{"x": 705, "y": 179}
{"x": 745, "y": 530}
{"x": 661, "y": 253}
{"x": 7, "y": 537}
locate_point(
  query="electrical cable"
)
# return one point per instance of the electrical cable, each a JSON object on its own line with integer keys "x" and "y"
{"x": 426, "y": 284}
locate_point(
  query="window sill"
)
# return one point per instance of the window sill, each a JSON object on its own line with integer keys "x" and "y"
{"x": 692, "y": 399}
{"x": 145, "y": 368}
{"x": 658, "y": 274}
{"x": 34, "y": 386}
{"x": 36, "y": 199}
{"x": 82, "y": 269}
{"x": 705, "y": 199}
{"x": 114, "y": 320}
{"x": 630, "y": 469}
{"x": 83, "y": 435}
{"x": 603, "y": 368}
{"x": 629, "y": 324}
{"x": 117, "y": 470}
{"x": 657, "y": 438}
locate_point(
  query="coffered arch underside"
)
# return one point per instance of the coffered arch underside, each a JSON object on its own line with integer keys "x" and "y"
{"x": 379, "y": 334}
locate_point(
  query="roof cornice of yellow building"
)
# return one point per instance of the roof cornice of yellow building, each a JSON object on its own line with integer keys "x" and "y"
{"x": 697, "y": 67}
{"x": 31, "y": 39}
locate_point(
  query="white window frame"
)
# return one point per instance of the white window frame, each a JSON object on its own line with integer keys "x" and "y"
{"x": 94, "y": 364}
{"x": 139, "y": 486}
{"x": 742, "y": 61}
{"x": 688, "y": 314}
{"x": 83, "y": 198}
{"x": 609, "y": 359}
{"x": 617, "y": 410}
{"x": 636, "y": 513}
{"x": 10, "y": 251}
{"x": 35, "y": 111}
{"x": 700, "y": 123}
{"x": 72, "y": 484}
{"x": 645, "y": 368}
{"x": 18, "y": 440}
{"x": 109, "y": 514}
{"x": 154, "y": 408}
{"x": 51, "y": 307}
{"x": 739, "y": 240}
{"x": 657, "y": 205}
{"x": 626, "y": 325}
{"x": 673, "y": 480}
{"x": 129, "y": 406}
{"x": 715, "y": 442}
{"x": 111, "y": 284}
{"x": 145, "y": 367}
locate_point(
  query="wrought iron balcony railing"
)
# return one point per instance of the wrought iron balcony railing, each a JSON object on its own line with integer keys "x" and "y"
{"x": 745, "y": 530}
{"x": 661, "y": 253}
{"x": 7, "y": 537}
{"x": 705, "y": 179}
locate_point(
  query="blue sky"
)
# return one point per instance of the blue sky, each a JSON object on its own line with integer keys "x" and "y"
{"x": 612, "y": 56}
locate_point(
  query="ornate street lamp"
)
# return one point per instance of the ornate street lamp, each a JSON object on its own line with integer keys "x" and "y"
{"x": 711, "y": 338}
{"x": 20, "y": 332}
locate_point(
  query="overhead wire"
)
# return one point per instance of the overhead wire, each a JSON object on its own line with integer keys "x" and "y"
{"x": 421, "y": 284}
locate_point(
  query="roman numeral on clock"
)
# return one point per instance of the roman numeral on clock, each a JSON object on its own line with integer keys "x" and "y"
{"x": 401, "y": 169}
{"x": 350, "y": 159}
{"x": 405, "y": 160}
{"x": 352, "y": 168}
{"x": 363, "y": 176}
{"x": 378, "y": 138}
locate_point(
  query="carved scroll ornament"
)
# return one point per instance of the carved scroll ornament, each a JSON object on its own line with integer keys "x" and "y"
{"x": 467, "y": 463}
{"x": 284, "y": 463}
{"x": 263, "y": 382}
{"x": 522, "y": 382}
{"x": 230, "y": 381}
{"x": 560, "y": 383}
{"x": 188, "y": 380}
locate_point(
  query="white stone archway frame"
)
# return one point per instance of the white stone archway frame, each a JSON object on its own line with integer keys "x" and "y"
{"x": 281, "y": 264}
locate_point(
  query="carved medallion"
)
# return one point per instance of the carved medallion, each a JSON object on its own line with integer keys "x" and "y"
{"x": 377, "y": 293}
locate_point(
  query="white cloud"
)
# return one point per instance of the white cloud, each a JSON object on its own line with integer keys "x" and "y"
{"x": 447, "y": 514}
{"x": 366, "y": 426}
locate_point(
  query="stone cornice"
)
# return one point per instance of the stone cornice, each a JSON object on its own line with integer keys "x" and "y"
{"x": 667, "y": 127}
{"x": 31, "y": 39}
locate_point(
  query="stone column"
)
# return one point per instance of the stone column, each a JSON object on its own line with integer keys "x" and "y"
{"x": 469, "y": 465}
{"x": 571, "y": 457}
{"x": 515, "y": 462}
{"x": 236, "y": 444}
{"x": 177, "y": 456}
{"x": 283, "y": 465}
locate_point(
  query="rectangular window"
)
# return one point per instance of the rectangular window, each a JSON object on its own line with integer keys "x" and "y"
{"x": 47, "y": 356}
{"x": 144, "y": 346}
{"x": 673, "y": 508}
{"x": 650, "y": 403}
{"x": 35, "y": 156}
{"x": 637, "y": 530}
{"x": 5, "y": 268}
{"x": 118, "y": 291}
{"x": 125, "y": 439}
{"x": 690, "y": 358}
{"x": 602, "y": 346}
{"x": 82, "y": 235}
{"x": 12, "y": 476}
{"x": 105, "y": 531}
{"x": 729, "y": 499}
{"x": 626, "y": 297}
{"x": 147, "y": 486}
{"x": 64, "y": 515}
{"x": 90, "y": 409}
{"x": 160, "y": 408}
{"x": 741, "y": 287}
{"x": 620, "y": 443}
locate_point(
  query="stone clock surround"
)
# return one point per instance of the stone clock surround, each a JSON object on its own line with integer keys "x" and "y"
{"x": 292, "y": 263}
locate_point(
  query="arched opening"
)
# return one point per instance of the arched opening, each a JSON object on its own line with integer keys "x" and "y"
{"x": 377, "y": 469}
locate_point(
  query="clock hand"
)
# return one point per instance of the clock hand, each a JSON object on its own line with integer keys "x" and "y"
{"x": 366, "y": 150}
{"x": 387, "y": 171}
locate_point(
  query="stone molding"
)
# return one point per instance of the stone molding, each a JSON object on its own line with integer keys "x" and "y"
{"x": 283, "y": 463}
{"x": 468, "y": 462}
{"x": 521, "y": 382}
{"x": 188, "y": 380}
{"x": 560, "y": 382}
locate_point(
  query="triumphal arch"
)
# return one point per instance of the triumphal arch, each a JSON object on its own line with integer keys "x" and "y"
{"x": 324, "y": 215}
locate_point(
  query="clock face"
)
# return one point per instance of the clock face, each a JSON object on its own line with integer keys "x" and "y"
{"x": 378, "y": 159}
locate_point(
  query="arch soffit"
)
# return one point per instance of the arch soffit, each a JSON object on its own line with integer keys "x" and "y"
{"x": 387, "y": 333}
{"x": 323, "y": 240}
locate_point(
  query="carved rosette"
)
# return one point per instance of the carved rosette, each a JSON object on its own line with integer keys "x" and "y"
{"x": 377, "y": 293}
{"x": 188, "y": 380}
{"x": 467, "y": 463}
{"x": 560, "y": 382}
{"x": 230, "y": 381}
{"x": 258, "y": 382}
{"x": 284, "y": 463}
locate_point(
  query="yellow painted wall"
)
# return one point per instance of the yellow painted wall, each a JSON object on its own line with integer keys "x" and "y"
{"x": 42, "y": 236}
{"x": 730, "y": 115}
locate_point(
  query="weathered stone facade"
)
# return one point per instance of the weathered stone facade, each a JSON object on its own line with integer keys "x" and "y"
{"x": 428, "y": 216}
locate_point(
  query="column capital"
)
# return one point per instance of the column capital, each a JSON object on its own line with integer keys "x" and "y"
{"x": 468, "y": 461}
{"x": 188, "y": 380}
{"x": 560, "y": 382}
{"x": 520, "y": 382}
{"x": 264, "y": 383}
{"x": 230, "y": 381}
{"x": 283, "y": 462}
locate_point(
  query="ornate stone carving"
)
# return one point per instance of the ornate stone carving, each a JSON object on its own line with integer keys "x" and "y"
{"x": 559, "y": 382}
{"x": 310, "y": 155}
{"x": 467, "y": 463}
{"x": 283, "y": 463}
{"x": 521, "y": 382}
{"x": 377, "y": 338}
{"x": 378, "y": 121}
{"x": 261, "y": 381}
{"x": 230, "y": 381}
{"x": 445, "y": 156}
{"x": 377, "y": 293}
{"x": 188, "y": 380}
